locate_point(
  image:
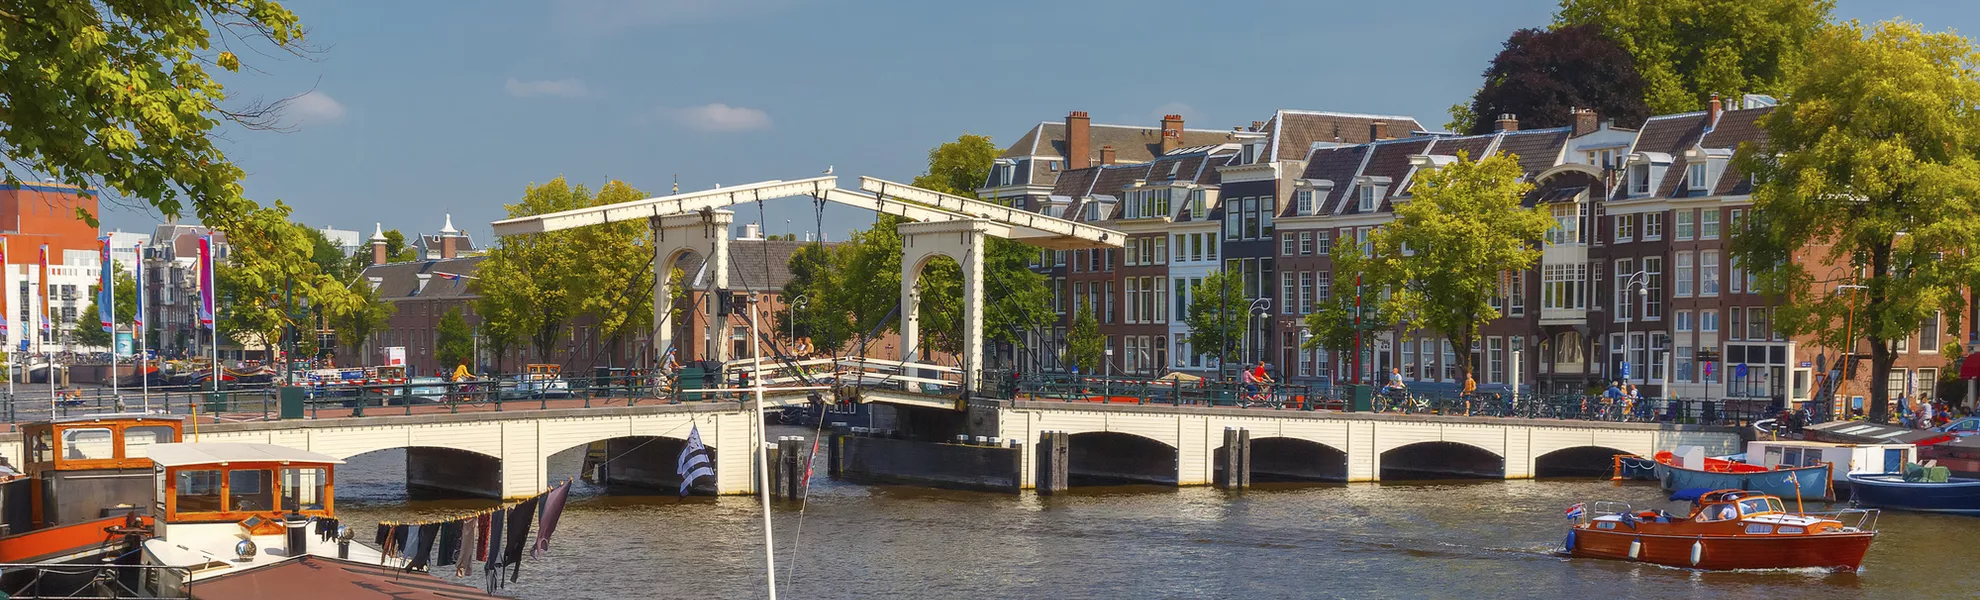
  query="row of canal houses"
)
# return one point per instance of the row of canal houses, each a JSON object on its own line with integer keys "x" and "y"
{"x": 1636, "y": 269}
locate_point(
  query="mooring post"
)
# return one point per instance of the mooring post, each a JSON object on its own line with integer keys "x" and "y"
{"x": 800, "y": 459}
{"x": 1244, "y": 461}
{"x": 1227, "y": 477}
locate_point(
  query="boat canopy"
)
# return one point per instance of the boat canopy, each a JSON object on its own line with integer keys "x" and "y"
{"x": 177, "y": 455}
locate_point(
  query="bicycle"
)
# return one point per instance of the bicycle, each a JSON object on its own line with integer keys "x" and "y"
{"x": 1262, "y": 396}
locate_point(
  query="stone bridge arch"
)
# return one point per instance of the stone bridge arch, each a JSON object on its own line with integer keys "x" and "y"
{"x": 1115, "y": 457}
{"x": 1440, "y": 459}
{"x": 1290, "y": 458}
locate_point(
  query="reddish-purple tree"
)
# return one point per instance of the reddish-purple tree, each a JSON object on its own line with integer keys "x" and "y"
{"x": 1542, "y": 74}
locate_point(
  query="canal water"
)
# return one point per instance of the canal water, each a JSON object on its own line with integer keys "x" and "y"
{"x": 1485, "y": 539}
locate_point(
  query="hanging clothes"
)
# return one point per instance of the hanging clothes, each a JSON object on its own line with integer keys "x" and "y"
{"x": 388, "y": 544}
{"x": 384, "y": 535}
{"x": 468, "y": 546}
{"x": 496, "y": 522}
{"x": 481, "y": 537}
{"x": 423, "y": 551}
{"x": 400, "y": 535}
{"x": 449, "y": 545}
{"x": 518, "y": 531}
{"x": 553, "y": 507}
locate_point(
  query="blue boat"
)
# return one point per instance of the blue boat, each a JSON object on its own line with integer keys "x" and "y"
{"x": 1955, "y": 495}
{"x": 1635, "y": 468}
{"x": 1810, "y": 482}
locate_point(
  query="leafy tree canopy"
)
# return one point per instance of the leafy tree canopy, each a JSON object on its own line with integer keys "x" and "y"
{"x": 1687, "y": 50}
{"x": 1543, "y": 74}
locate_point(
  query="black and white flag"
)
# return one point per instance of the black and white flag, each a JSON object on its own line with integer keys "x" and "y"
{"x": 694, "y": 463}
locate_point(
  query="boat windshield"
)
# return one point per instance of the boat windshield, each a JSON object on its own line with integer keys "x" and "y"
{"x": 1755, "y": 506}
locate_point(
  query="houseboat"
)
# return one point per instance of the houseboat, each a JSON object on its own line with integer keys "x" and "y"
{"x": 1848, "y": 459}
{"x": 1726, "y": 529}
{"x": 81, "y": 495}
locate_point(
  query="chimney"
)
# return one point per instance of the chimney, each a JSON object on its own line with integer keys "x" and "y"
{"x": 1107, "y": 153}
{"x": 378, "y": 256}
{"x": 1079, "y": 140}
{"x": 1585, "y": 121}
{"x": 1712, "y": 112}
{"x": 1172, "y": 128}
{"x": 1376, "y": 130}
{"x": 1507, "y": 122}
{"x": 449, "y": 240}
{"x": 1257, "y": 125}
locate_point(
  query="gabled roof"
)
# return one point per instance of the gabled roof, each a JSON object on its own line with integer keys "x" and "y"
{"x": 1670, "y": 135}
{"x": 1736, "y": 127}
{"x": 1132, "y": 143}
{"x": 400, "y": 281}
{"x": 1337, "y": 165}
{"x": 1537, "y": 149}
{"x": 1293, "y": 132}
{"x": 1391, "y": 160}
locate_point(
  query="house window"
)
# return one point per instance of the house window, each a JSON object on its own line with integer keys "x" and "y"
{"x": 1133, "y": 251}
{"x": 1133, "y": 295}
{"x": 1366, "y": 200}
{"x": 1287, "y": 245}
{"x": 1287, "y": 288}
{"x": 1684, "y": 275}
{"x": 1306, "y": 243}
{"x": 1323, "y": 286}
{"x": 1496, "y": 354}
{"x": 1196, "y": 246}
{"x": 1687, "y": 224}
{"x": 1306, "y": 293}
{"x": 1624, "y": 269}
{"x": 1449, "y": 362}
{"x": 1708, "y": 224}
{"x": 1735, "y": 277}
{"x": 1233, "y": 219}
{"x": 1210, "y": 244}
{"x": 1564, "y": 287}
{"x": 1756, "y": 324}
{"x": 1653, "y": 304}
{"x": 1696, "y": 178}
{"x": 1737, "y": 317}
{"x": 1516, "y": 295}
{"x": 1253, "y": 227}
{"x": 1708, "y": 321}
{"x": 1684, "y": 364}
{"x": 1625, "y": 228}
{"x": 1683, "y": 320}
{"x": 1639, "y": 180}
{"x": 1409, "y": 364}
{"x": 1323, "y": 242}
{"x": 1110, "y": 302}
{"x": 1198, "y": 206}
{"x": 1653, "y": 226}
{"x": 1567, "y": 223}
{"x": 1182, "y": 298}
{"x": 1266, "y": 210}
{"x": 1928, "y": 334}
{"x": 1305, "y": 201}
{"x": 1708, "y": 273}
{"x": 1162, "y": 250}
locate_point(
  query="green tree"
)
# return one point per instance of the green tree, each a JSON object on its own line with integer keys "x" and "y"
{"x": 89, "y": 325}
{"x": 269, "y": 278}
{"x": 530, "y": 287}
{"x": 453, "y": 341}
{"x": 396, "y": 248}
{"x": 1542, "y": 75}
{"x": 1341, "y": 321}
{"x": 117, "y": 96}
{"x": 616, "y": 293}
{"x": 1868, "y": 177}
{"x": 359, "y": 318}
{"x": 1443, "y": 260}
{"x": 1016, "y": 297}
{"x": 1084, "y": 344}
{"x": 1687, "y": 50}
{"x": 1216, "y": 318}
{"x": 811, "y": 283}
{"x": 959, "y": 167}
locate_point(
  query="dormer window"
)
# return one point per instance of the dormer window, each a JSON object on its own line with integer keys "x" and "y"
{"x": 1366, "y": 195}
{"x": 1199, "y": 205}
{"x": 1248, "y": 154}
{"x": 1696, "y": 177}
{"x": 1303, "y": 200}
{"x": 1005, "y": 171}
{"x": 1639, "y": 180}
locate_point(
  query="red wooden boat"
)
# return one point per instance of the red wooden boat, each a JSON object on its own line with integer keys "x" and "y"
{"x": 1727, "y": 529}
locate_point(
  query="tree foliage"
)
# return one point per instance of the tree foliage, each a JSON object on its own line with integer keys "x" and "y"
{"x": 361, "y": 318}
{"x": 117, "y": 96}
{"x": 453, "y": 341}
{"x": 1085, "y": 347}
{"x": 1868, "y": 177}
{"x": 89, "y": 325}
{"x": 270, "y": 274}
{"x": 1687, "y": 50}
{"x": 1335, "y": 324}
{"x": 959, "y": 167}
{"x": 1444, "y": 258}
{"x": 1542, "y": 74}
{"x": 530, "y": 287}
{"x": 1217, "y": 315}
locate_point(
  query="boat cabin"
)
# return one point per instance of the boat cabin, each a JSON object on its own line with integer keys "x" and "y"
{"x": 212, "y": 497}
{"x": 1847, "y": 458}
{"x": 90, "y": 467}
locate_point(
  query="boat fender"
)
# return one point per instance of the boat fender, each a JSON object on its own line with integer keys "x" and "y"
{"x": 1635, "y": 548}
{"x": 1570, "y": 540}
{"x": 1697, "y": 552}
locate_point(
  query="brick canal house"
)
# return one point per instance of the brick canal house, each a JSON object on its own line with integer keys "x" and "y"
{"x": 1636, "y": 269}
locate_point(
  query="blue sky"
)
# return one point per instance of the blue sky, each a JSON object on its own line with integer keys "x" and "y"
{"x": 421, "y": 109}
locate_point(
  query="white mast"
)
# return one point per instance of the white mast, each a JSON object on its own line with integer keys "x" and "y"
{"x": 762, "y": 452}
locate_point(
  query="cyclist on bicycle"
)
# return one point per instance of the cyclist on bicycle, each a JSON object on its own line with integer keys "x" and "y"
{"x": 1395, "y": 386}
{"x": 1256, "y": 382}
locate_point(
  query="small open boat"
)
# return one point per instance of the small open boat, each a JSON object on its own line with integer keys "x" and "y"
{"x": 1727, "y": 529}
{"x": 1679, "y": 472}
{"x": 1924, "y": 489}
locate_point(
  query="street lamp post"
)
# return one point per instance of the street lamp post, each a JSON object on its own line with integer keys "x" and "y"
{"x": 1638, "y": 280}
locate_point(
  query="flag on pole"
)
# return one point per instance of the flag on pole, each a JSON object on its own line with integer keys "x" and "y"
{"x": 1575, "y": 512}
{"x": 46, "y": 326}
{"x": 105, "y": 292}
{"x": 206, "y": 279}
{"x": 693, "y": 464}
{"x": 137, "y": 271}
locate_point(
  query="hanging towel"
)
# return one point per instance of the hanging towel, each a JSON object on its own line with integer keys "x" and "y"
{"x": 423, "y": 551}
{"x": 468, "y": 545}
{"x": 518, "y": 536}
{"x": 450, "y": 543}
{"x": 553, "y": 507}
{"x": 481, "y": 537}
{"x": 496, "y": 522}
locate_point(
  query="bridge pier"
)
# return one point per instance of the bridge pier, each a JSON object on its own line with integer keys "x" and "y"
{"x": 1234, "y": 460}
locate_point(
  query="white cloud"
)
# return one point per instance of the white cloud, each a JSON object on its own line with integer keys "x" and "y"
{"x": 570, "y": 87}
{"x": 717, "y": 117}
{"x": 605, "y": 16}
{"x": 313, "y": 107}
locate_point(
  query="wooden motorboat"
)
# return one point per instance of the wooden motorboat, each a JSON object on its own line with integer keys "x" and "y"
{"x": 1727, "y": 529}
{"x": 1694, "y": 470}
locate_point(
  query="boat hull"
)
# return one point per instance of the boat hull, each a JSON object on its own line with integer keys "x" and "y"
{"x": 1832, "y": 551}
{"x": 1810, "y": 483}
{"x": 1960, "y": 496}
